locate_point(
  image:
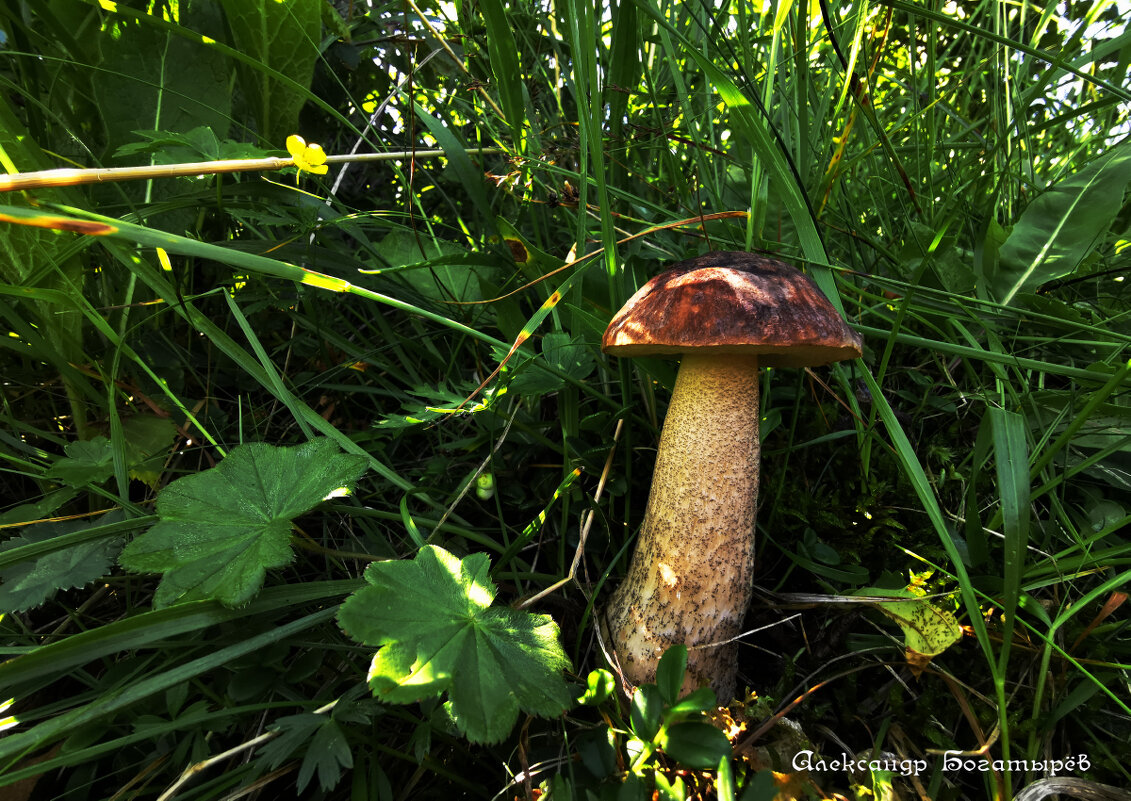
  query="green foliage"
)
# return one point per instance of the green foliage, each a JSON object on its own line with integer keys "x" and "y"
{"x": 27, "y": 584}
{"x": 197, "y": 144}
{"x": 221, "y": 530}
{"x": 86, "y": 462}
{"x": 282, "y": 39}
{"x": 1062, "y": 227}
{"x": 664, "y": 739}
{"x": 568, "y": 358}
{"x": 954, "y": 176}
{"x": 327, "y": 753}
{"x": 191, "y": 87}
{"x": 437, "y": 632}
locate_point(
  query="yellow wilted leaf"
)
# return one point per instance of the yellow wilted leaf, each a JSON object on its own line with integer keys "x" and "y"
{"x": 928, "y": 630}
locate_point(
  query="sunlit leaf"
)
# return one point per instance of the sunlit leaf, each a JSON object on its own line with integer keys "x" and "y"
{"x": 1063, "y": 225}
{"x": 437, "y": 632}
{"x": 927, "y": 629}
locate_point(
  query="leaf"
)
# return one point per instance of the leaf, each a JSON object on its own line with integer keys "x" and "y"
{"x": 670, "y": 671}
{"x": 436, "y": 273}
{"x": 437, "y": 632}
{"x": 293, "y": 732}
{"x": 669, "y": 790}
{"x": 41, "y": 507}
{"x": 199, "y": 144}
{"x": 28, "y": 584}
{"x": 571, "y": 356}
{"x": 327, "y": 750}
{"x": 697, "y": 701}
{"x": 927, "y": 629}
{"x": 533, "y": 262}
{"x": 171, "y": 147}
{"x": 1106, "y": 426}
{"x": 696, "y": 744}
{"x": 459, "y": 161}
{"x": 599, "y": 685}
{"x": 152, "y": 78}
{"x": 646, "y": 711}
{"x": 222, "y": 529}
{"x": 503, "y": 54}
{"x": 283, "y": 37}
{"x": 148, "y": 440}
{"x": 38, "y": 258}
{"x": 327, "y": 754}
{"x": 1063, "y": 225}
{"x": 86, "y": 462}
{"x": 439, "y": 402}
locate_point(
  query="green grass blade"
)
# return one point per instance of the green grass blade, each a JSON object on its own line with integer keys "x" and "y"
{"x": 15, "y": 746}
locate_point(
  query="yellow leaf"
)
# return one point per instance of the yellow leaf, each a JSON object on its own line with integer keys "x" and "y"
{"x": 927, "y": 629}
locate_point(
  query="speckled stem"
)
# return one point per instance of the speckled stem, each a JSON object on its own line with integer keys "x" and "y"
{"x": 692, "y": 572}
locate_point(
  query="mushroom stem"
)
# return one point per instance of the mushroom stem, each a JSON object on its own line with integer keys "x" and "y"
{"x": 691, "y": 575}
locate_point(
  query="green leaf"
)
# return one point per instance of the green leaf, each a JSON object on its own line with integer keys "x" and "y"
{"x": 222, "y": 529}
{"x": 669, "y": 672}
{"x": 533, "y": 262}
{"x": 31, "y": 583}
{"x": 927, "y": 629}
{"x": 696, "y": 745}
{"x": 436, "y": 273}
{"x": 86, "y": 462}
{"x": 746, "y": 121}
{"x": 470, "y": 175}
{"x": 700, "y": 700}
{"x": 646, "y": 712}
{"x": 327, "y": 754}
{"x": 38, "y": 258}
{"x": 199, "y": 144}
{"x": 570, "y": 355}
{"x": 41, "y": 507}
{"x": 503, "y": 53}
{"x": 669, "y": 791}
{"x": 440, "y": 402}
{"x": 148, "y": 440}
{"x": 599, "y": 685}
{"x": 598, "y": 751}
{"x": 724, "y": 780}
{"x": 760, "y": 787}
{"x": 294, "y": 731}
{"x": 1063, "y": 225}
{"x": 285, "y": 38}
{"x": 437, "y": 632}
{"x": 152, "y": 78}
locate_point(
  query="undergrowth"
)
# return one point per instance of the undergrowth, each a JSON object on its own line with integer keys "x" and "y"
{"x": 233, "y": 402}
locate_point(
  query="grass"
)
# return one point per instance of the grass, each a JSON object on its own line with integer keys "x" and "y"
{"x": 899, "y": 152}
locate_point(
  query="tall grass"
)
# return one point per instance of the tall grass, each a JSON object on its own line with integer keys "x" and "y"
{"x": 898, "y": 152}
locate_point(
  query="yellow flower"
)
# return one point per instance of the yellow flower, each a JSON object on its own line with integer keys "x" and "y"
{"x": 311, "y": 158}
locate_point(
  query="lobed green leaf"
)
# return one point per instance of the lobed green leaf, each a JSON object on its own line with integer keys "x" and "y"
{"x": 222, "y": 529}
{"x": 437, "y": 632}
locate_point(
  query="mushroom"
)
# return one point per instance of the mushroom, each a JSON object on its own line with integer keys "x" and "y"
{"x": 691, "y": 575}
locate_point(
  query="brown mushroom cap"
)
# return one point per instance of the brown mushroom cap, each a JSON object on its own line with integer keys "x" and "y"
{"x": 733, "y": 303}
